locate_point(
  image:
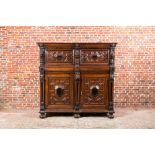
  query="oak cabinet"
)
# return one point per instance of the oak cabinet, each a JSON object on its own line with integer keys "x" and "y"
{"x": 76, "y": 78}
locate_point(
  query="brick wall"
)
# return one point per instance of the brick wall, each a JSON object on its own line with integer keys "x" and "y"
{"x": 134, "y": 61}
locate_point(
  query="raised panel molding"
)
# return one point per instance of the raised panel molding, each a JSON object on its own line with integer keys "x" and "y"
{"x": 87, "y": 97}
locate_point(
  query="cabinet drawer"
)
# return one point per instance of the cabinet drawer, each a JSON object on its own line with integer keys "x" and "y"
{"x": 94, "y": 56}
{"x": 59, "y": 57}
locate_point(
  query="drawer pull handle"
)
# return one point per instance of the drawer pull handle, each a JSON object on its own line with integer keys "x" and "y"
{"x": 59, "y": 91}
{"x": 94, "y": 56}
{"x": 94, "y": 90}
{"x": 59, "y": 57}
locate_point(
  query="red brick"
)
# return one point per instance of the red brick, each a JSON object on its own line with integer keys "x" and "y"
{"x": 134, "y": 61}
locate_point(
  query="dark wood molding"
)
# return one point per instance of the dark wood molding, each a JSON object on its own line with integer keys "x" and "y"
{"x": 111, "y": 79}
{"x": 42, "y": 80}
{"x": 77, "y": 77}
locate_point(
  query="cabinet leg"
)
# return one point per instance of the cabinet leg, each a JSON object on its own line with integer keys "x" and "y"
{"x": 76, "y": 115}
{"x": 110, "y": 115}
{"x": 43, "y": 115}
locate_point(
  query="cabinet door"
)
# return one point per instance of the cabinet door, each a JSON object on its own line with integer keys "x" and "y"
{"x": 59, "y": 92}
{"x": 94, "y": 93}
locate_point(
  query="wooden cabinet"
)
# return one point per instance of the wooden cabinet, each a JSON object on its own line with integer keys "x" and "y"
{"x": 76, "y": 78}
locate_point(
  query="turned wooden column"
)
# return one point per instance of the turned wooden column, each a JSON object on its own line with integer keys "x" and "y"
{"x": 42, "y": 80}
{"x": 77, "y": 79}
{"x": 111, "y": 79}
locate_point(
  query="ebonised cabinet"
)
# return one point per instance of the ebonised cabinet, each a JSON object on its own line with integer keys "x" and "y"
{"x": 76, "y": 78}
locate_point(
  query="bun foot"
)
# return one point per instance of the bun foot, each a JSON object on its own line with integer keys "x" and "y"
{"x": 43, "y": 115}
{"x": 110, "y": 115}
{"x": 76, "y": 115}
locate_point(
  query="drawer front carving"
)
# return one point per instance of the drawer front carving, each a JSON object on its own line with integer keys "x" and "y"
{"x": 94, "y": 56}
{"x": 62, "y": 56}
{"x": 94, "y": 91}
{"x": 59, "y": 90}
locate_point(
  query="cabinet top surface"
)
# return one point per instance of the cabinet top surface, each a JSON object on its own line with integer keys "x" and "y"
{"x": 80, "y": 45}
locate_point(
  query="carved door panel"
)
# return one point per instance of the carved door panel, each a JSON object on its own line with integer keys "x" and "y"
{"x": 94, "y": 93}
{"x": 59, "y": 92}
